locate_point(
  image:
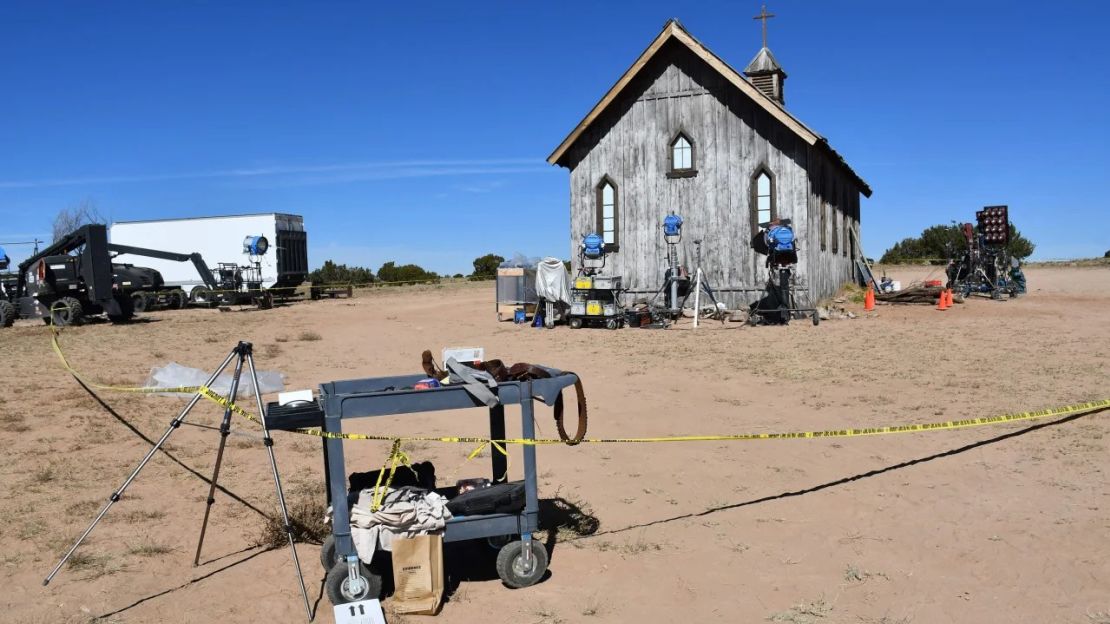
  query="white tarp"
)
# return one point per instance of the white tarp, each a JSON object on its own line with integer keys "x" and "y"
{"x": 174, "y": 375}
{"x": 552, "y": 280}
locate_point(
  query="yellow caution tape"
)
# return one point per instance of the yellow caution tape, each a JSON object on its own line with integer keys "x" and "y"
{"x": 499, "y": 444}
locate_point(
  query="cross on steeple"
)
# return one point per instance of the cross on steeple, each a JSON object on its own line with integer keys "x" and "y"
{"x": 764, "y": 15}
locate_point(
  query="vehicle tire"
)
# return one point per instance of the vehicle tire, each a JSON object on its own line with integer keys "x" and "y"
{"x": 66, "y": 311}
{"x": 510, "y": 564}
{"x": 610, "y": 323}
{"x": 179, "y": 300}
{"x": 127, "y": 312}
{"x": 336, "y": 584}
{"x": 201, "y": 295}
{"x": 327, "y": 553}
{"x": 7, "y": 314}
{"x": 265, "y": 301}
{"x": 140, "y": 302}
{"x": 575, "y": 323}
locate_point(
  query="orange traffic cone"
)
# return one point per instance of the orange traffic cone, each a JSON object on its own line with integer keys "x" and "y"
{"x": 869, "y": 300}
{"x": 950, "y": 303}
{"x": 942, "y": 301}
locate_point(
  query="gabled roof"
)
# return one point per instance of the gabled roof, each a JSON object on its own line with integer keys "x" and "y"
{"x": 763, "y": 62}
{"x": 672, "y": 30}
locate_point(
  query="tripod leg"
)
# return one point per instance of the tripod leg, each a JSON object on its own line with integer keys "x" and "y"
{"x": 717, "y": 313}
{"x": 174, "y": 424}
{"x": 269, "y": 442}
{"x": 225, "y": 429}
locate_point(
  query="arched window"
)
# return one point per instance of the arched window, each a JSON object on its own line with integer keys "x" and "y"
{"x": 683, "y": 157}
{"x": 824, "y": 221}
{"x": 763, "y": 198}
{"x": 847, "y": 233}
{"x": 607, "y": 212}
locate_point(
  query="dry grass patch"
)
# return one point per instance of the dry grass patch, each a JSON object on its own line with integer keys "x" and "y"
{"x": 309, "y": 336}
{"x": 135, "y": 516}
{"x": 84, "y": 508}
{"x": 13, "y": 423}
{"x": 149, "y": 548}
{"x": 307, "y": 504}
{"x": 96, "y": 565}
{"x": 855, "y": 574}
{"x": 808, "y": 613}
{"x": 31, "y": 528}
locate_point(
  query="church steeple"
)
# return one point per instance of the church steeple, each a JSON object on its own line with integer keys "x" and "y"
{"x": 764, "y": 71}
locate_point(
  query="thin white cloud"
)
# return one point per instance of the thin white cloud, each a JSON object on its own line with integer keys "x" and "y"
{"x": 309, "y": 174}
{"x": 398, "y": 173}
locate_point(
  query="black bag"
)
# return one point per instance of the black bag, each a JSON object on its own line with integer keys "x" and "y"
{"x": 422, "y": 475}
{"x": 500, "y": 498}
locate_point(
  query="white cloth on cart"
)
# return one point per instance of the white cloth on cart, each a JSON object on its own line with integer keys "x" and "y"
{"x": 405, "y": 512}
{"x": 552, "y": 281}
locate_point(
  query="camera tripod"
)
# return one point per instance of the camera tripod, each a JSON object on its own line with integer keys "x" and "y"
{"x": 242, "y": 352}
{"x": 675, "y": 278}
{"x": 701, "y": 283}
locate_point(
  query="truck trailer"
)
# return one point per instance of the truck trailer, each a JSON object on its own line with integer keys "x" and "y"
{"x": 279, "y": 265}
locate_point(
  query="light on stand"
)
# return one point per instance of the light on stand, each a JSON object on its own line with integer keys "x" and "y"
{"x": 672, "y": 229}
{"x": 256, "y": 245}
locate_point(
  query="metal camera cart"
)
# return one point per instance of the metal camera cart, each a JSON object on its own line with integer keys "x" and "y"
{"x": 520, "y": 563}
{"x": 595, "y": 300}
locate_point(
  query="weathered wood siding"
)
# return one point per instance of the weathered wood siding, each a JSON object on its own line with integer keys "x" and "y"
{"x": 733, "y": 138}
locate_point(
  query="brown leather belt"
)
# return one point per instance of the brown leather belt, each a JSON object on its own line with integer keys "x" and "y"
{"x": 524, "y": 372}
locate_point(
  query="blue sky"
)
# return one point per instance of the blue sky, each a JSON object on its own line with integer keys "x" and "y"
{"x": 418, "y": 132}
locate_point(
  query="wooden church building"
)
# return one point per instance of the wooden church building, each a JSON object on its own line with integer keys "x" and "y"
{"x": 683, "y": 131}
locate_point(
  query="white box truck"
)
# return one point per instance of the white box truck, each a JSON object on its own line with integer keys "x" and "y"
{"x": 221, "y": 240}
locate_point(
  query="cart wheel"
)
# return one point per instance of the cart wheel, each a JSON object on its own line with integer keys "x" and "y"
{"x": 816, "y": 319}
{"x": 575, "y": 323}
{"x": 510, "y": 564}
{"x": 327, "y": 553}
{"x": 338, "y": 587}
{"x": 611, "y": 323}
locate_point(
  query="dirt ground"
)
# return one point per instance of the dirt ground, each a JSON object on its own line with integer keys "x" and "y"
{"x": 1008, "y": 523}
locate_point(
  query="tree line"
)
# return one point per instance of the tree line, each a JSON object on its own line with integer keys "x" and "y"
{"x": 941, "y": 241}
{"x": 485, "y": 267}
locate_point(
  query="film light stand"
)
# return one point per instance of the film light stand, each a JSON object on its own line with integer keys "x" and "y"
{"x": 701, "y": 284}
{"x": 242, "y": 352}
